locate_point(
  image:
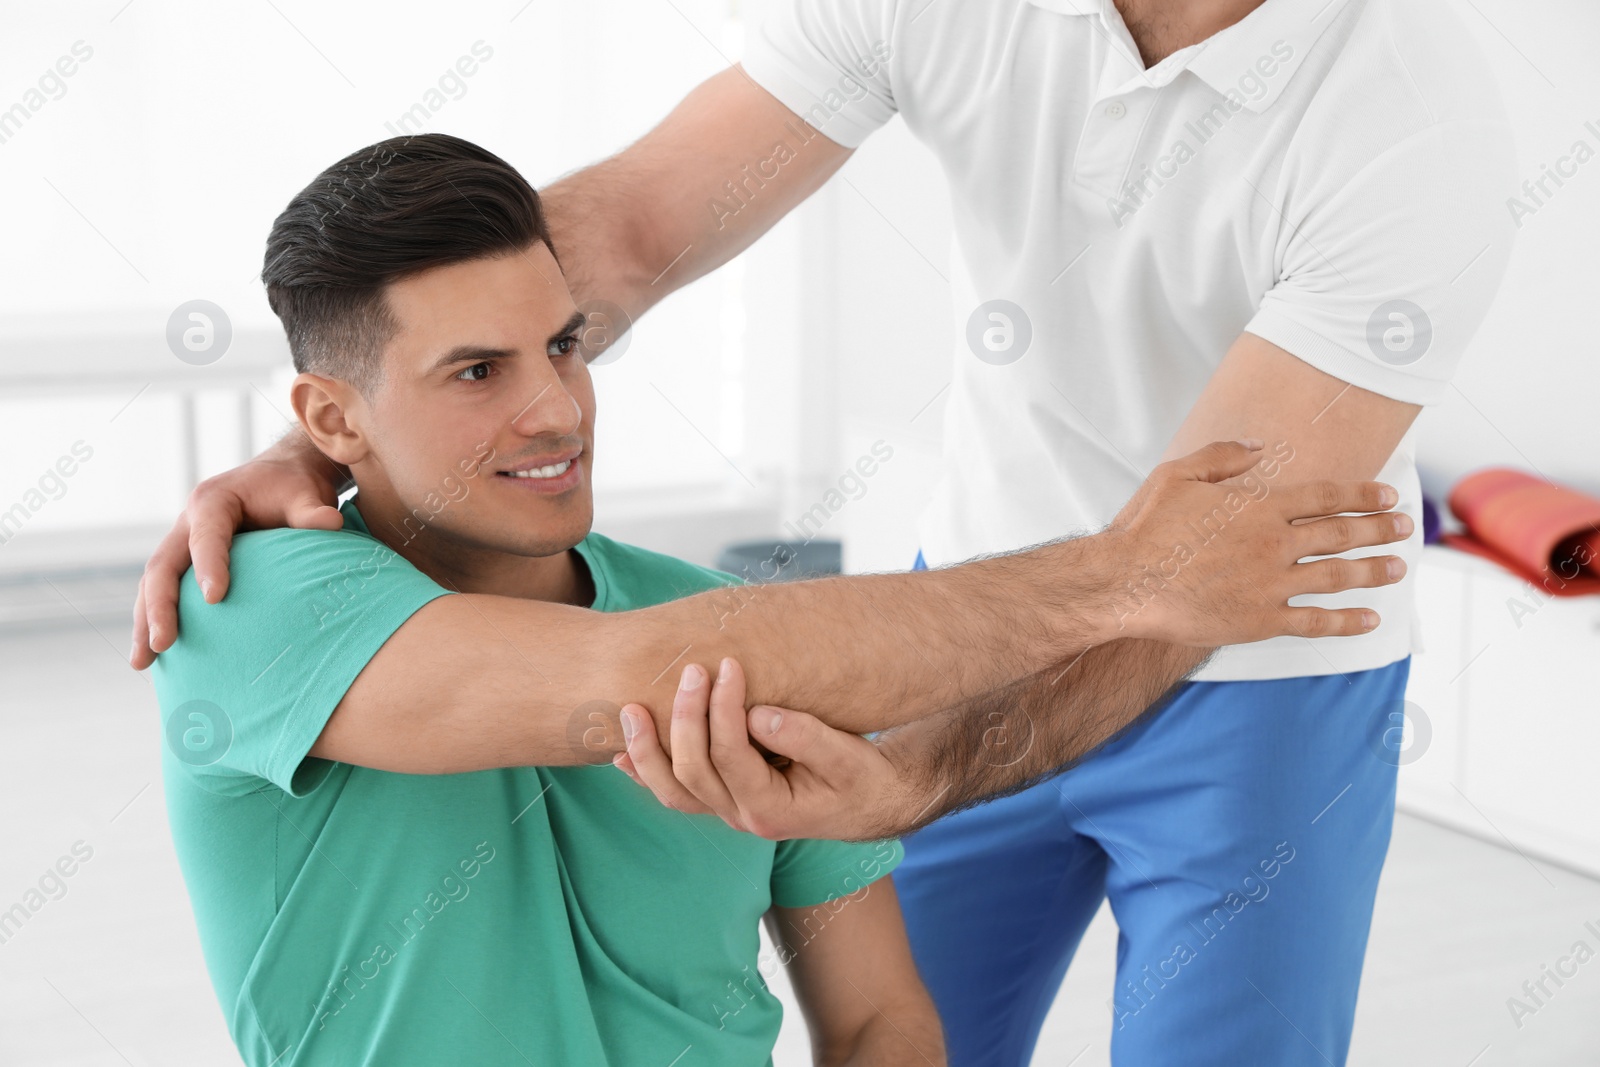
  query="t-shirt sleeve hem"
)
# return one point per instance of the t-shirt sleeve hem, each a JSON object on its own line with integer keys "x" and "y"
{"x": 819, "y": 887}
{"x": 770, "y": 70}
{"x": 1275, "y": 325}
{"x": 289, "y": 767}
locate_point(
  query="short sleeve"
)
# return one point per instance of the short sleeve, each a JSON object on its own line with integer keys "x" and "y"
{"x": 828, "y": 61}
{"x": 1385, "y": 277}
{"x": 250, "y": 682}
{"x": 807, "y": 872}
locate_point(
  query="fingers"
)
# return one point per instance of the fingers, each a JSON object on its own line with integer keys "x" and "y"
{"x": 1313, "y": 500}
{"x": 158, "y": 592}
{"x": 1217, "y": 461}
{"x": 802, "y": 737}
{"x": 139, "y": 654}
{"x": 691, "y": 745}
{"x": 212, "y": 518}
{"x": 757, "y": 787}
{"x": 1337, "y": 575}
{"x": 311, "y": 512}
{"x": 709, "y": 743}
{"x": 1327, "y": 622}
{"x": 727, "y": 709}
{"x": 624, "y": 763}
{"x": 651, "y": 766}
{"x": 1326, "y": 537}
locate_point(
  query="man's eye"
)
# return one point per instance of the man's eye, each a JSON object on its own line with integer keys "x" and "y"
{"x": 475, "y": 373}
{"x": 564, "y": 346}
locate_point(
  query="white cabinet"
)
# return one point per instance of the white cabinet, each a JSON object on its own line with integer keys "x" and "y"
{"x": 1509, "y": 687}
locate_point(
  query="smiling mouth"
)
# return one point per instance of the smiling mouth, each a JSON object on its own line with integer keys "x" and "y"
{"x": 554, "y": 470}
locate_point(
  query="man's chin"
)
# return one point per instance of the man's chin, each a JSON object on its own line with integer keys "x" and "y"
{"x": 544, "y": 539}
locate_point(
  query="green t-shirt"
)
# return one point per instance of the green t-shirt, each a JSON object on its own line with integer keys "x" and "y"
{"x": 544, "y": 915}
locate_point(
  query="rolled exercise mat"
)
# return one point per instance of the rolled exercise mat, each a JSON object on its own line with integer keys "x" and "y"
{"x": 1546, "y": 534}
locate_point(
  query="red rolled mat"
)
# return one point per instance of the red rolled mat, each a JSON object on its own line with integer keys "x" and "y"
{"x": 1547, "y": 534}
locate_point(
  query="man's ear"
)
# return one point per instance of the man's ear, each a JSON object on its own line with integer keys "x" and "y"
{"x": 331, "y": 413}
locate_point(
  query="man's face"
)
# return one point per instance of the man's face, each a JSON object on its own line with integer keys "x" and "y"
{"x": 484, "y": 423}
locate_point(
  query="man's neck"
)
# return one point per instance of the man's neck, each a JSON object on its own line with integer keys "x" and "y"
{"x": 561, "y": 578}
{"x": 1162, "y": 27}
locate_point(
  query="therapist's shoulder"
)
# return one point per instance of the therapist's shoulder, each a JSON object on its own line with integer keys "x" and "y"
{"x": 1406, "y": 67}
{"x": 627, "y": 576}
{"x": 1448, "y": 68}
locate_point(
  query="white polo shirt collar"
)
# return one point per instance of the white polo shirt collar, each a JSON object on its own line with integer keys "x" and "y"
{"x": 1221, "y": 59}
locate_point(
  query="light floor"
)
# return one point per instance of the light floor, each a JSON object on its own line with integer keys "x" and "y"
{"x": 110, "y": 972}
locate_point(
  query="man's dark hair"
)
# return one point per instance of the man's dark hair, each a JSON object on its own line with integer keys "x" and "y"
{"x": 390, "y": 210}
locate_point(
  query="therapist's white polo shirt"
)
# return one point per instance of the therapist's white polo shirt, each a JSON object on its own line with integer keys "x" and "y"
{"x": 1329, "y": 175}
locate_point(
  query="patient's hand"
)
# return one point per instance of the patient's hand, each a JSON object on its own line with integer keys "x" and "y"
{"x": 832, "y": 784}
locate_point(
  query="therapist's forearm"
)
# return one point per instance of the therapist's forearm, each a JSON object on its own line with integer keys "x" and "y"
{"x": 1005, "y": 741}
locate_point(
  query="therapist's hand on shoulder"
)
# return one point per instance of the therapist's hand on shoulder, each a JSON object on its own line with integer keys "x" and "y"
{"x": 823, "y": 782}
{"x": 290, "y": 484}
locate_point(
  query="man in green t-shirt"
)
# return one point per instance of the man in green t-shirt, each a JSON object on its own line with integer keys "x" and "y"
{"x": 380, "y": 747}
{"x": 504, "y": 914}
{"x": 353, "y": 916}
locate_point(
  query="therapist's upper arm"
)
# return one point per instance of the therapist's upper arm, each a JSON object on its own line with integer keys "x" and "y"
{"x": 720, "y": 170}
{"x": 1331, "y": 428}
{"x": 1384, "y": 273}
{"x": 741, "y": 151}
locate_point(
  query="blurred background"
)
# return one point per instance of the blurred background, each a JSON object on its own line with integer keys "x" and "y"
{"x": 149, "y": 177}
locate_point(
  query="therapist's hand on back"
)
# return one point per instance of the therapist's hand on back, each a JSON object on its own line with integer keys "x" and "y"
{"x": 290, "y": 484}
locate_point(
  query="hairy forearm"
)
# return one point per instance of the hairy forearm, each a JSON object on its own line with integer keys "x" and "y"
{"x": 864, "y": 652}
{"x": 1004, "y": 741}
{"x": 476, "y": 681}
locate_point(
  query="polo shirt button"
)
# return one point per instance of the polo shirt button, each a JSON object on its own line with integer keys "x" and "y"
{"x": 1115, "y": 109}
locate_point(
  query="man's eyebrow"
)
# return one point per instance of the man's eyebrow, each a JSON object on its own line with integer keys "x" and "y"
{"x": 569, "y": 328}
{"x": 469, "y": 354}
{"x": 478, "y": 353}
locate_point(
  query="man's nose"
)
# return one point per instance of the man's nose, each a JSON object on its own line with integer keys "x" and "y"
{"x": 549, "y": 409}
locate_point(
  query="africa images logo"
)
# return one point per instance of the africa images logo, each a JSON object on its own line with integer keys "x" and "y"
{"x": 199, "y": 733}
{"x": 1399, "y": 332}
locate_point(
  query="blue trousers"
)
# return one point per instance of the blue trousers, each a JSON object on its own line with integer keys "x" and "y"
{"x": 1238, "y": 834}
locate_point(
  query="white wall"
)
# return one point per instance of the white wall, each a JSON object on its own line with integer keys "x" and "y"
{"x": 877, "y": 285}
{"x": 1525, "y": 394}
{"x": 152, "y": 174}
